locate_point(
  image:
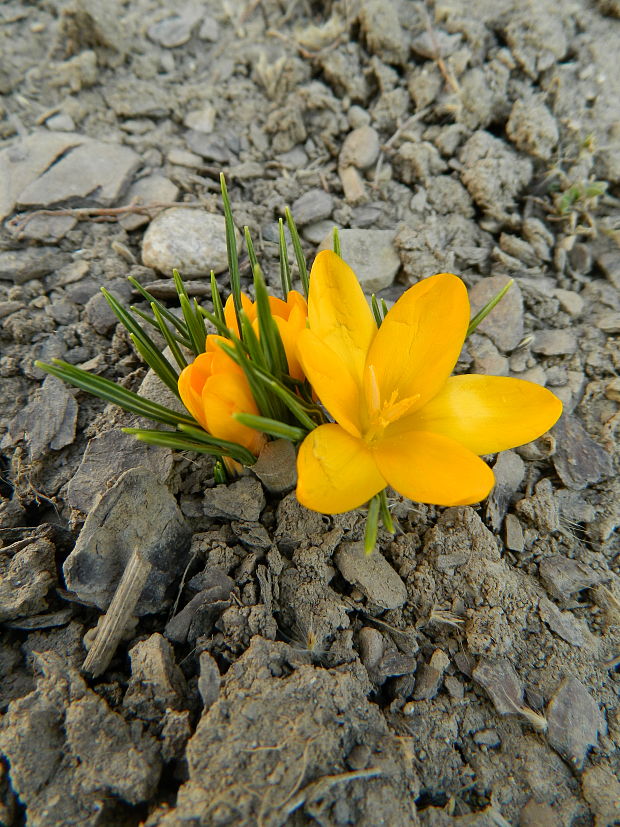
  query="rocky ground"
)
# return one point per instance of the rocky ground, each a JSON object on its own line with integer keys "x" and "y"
{"x": 468, "y": 672}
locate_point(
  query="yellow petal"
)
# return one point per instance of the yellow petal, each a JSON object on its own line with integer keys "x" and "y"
{"x": 332, "y": 380}
{"x": 223, "y": 395}
{"x": 230, "y": 317}
{"x": 338, "y": 312}
{"x": 289, "y": 333}
{"x": 419, "y": 341}
{"x": 336, "y": 472}
{"x": 487, "y": 414}
{"x": 430, "y": 468}
{"x": 191, "y": 384}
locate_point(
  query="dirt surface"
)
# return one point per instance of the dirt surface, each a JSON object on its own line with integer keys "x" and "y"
{"x": 467, "y": 673}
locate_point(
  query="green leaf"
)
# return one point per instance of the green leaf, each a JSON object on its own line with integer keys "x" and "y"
{"x": 231, "y": 250}
{"x": 198, "y": 341}
{"x": 232, "y": 449}
{"x": 376, "y": 312}
{"x": 285, "y": 269}
{"x": 218, "y": 307}
{"x": 372, "y": 523}
{"x": 158, "y": 364}
{"x": 386, "y": 515}
{"x": 272, "y": 427}
{"x": 482, "y": 314}
{"x": 153, "y": 322}
{"x": 168, "y": 316}
{"x": 336, "y": 239}
{"x": 116, "y": 394}
{"x": 179, "y": 442}
{"x": 169, "y": 337}
{"x": 269, "y": 335}
{"x": 219, "y": 473}
{"x": 299, "y": 253}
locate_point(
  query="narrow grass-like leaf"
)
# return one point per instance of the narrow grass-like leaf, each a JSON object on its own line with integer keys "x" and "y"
{"x": 230, "y": 448}
{"x": 231, "y": 250}
{"x": 386, "y": 515}
{"x": 285, "y": 268}
{"x": 484, "y": 312}
{"x": 271, "y": 426}
{"x": 269, "y": 335}
{"x": 336, "y": 239}
{"x": 250, "y": 247}
{"x": 179, "y": 442}
{"x": 261, "y": 397}
{"x": 199, "y": 323}
{"x": 127, "y": 320}
{"x": 168, "y": 316}
{"x": 217, "y": 324}
{"x": 376, "y": 312}
{"x": 158, "y": 364}
{"x": 112, "y": 392}
{"x": 178, "y": 283}
{"x": 372, "y": 523}
{"x": 153, "y": 322}
{"x": 169, "y": 337}
{"x": 219, "y": 473}
{"x": 198, "y": 342}
{"x": 218, "y": 307}
{"x": 291, "y": 400}
{"x": 299, "y": 253}
{"x": 384, "y": 308}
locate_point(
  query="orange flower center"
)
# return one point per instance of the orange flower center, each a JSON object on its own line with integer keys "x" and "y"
{"x": 381, "y": 414}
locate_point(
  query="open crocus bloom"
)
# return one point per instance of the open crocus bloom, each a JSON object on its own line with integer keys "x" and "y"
{"x": 400, "y": 418}
{"x": 289, "y": 316}
{"x": 213, "y": 388}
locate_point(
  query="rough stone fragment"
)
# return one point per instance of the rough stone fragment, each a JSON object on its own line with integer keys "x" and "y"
{"x": 313, "y": 205}
{"x": 131, "y": 97}
{"x": 19, "y": 266}
{"x": 190, "y": 240}
{"x": 360, "y": 148}
{"x": 504, "y": 324}
{"x": 353, "y": 185}
{"x": 22, "y": 164}
{"x": 96, "y": 170}
{"x": 151, "y": 189}
{"x": 48, "y": 420}
{"x": 562, "y": 623}
{"x": 430, "y": 675}
{"x": 138, "y": 512}
{"x": 609, "y": 322}
{"x": 513, "y": 534}
{"x": 370, "y": 254}
{"x": 276, "y": 466}
{"x": 209, "y": 680}
{"x": 541, "y": 508}
{"x": 175, "y": 31}
{"x": 578, "y": 459}
{"x": 536, "y": 39}
{"x": 532, "y": 128}
{"x": 563, "y": 577}
{"x": 371, "y": 574}
{"x": 574, "y": 721}
{"x": 554, "y": 342}
{"x": 502, "y": 684}
{"x": 509, "y": 470}
{"x": 493, "y": 174}
{"x": 156, "y": 682}
{"x": 242, "y": 500}
{"x": 202, "y": 120}
{"x": 71, "y": 757}
{"x": 601, "y": 789}
{"x": 27, "y": 571}
{"x": 536, "y": 814}
{"x": 264, "y": 703}
{"x": 383, "y": 32}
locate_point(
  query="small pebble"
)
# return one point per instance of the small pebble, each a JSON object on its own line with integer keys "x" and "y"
{"x": 370, "y": 254}
{"x": 554, "y": 342}
{"x": 190, "y": 240}
{"x": 312, "y": 206}
{"x": 360, "y": 148}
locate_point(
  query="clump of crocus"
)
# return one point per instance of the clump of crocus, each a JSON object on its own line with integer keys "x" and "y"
{"x": 401, "y": 419}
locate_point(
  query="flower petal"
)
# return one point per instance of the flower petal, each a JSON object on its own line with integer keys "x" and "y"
{"x": 191, "y": 382}
{"x": 332, "y": 380}
{"x": 336, "y": 472}
{"x": 338, "y": 312}
{"x": 487, "y": 414}
{"x": 430, "y": 468}
{"x": 223, "y": 395}
{"x": 419, "y": 341}
{"x": 230, "y": 317}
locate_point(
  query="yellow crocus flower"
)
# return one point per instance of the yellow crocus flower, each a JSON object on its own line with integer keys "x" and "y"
{"x": 401, "y": 420}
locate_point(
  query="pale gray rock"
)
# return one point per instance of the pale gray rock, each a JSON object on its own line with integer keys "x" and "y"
{"x": 138, "y": 512}
{"x": 276, "y": 466}
{"x": 27, "y": 572}
{"x": 487, "y": 358}
{"x": 60, "y": 122}
{"x": 20, "y": 266}
{"x": 242, "y": 500}
{"x": 202, "y": 120}
{"x": 156, "y": 682}
{"x": 509, "y": 470}
{"x": 360, "y": 148}
{"x": 493, "y": 174}
{"x": 532, "y": 128}
{"x": 383, "y": 31}
{"x": 371, "y": 574}
{"x": 562, "y": 623}
{"x": 504, "y": 324}
{"x": 501, "y": 682}
{"x": 24, "y": 162}
{"x": 151, "y": 189}
{"x": 430, "y": 675}
{"x": 131, "y": 97}
{"x": 574, "y": 721}
{"x": 189, "y": 240}
{"x": 371, "y": 254}
{"x": 94, "y": 169}
{"x": 554, "y": 342}
{"x": 175, "y": 31}
{"x": 578, "y": 459}
{"x": 541, "y": 508}
{"x": 48, "y": 420}
{"x": 209, "y": 680}
{"x": 513, "y": 534}
{"x": 68, "y": 751}
{"x": 564, "y": 577}
{"x": 312, "y": 206}
{"x": 601, "y": 789}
